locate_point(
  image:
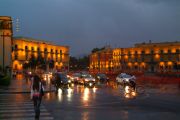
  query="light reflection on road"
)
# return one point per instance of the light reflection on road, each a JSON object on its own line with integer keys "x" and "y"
{"x": 94, "y": 89}
{"x": 85, "y": 116}
{"x": 69, "y": 94}
{"x": 60, "y": 95}
{"x": 86, "y": 94}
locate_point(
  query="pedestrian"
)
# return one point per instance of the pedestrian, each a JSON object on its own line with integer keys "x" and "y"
{"x": 37, "y": 91}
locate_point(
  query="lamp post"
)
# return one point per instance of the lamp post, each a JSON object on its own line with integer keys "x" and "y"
{"x": 3, "y": 50}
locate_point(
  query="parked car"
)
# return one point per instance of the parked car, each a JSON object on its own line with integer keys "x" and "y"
{"x": 102, "y": 78}
{"x": 124, "y": 78}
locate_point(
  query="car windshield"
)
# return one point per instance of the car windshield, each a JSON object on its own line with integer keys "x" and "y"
{"x": 87, "y": 75}
{"x": 77, "y": 75}
{"x": 101, "y": 75}
{"x": 62, "y": 76}
{"x": 126, "y": 76}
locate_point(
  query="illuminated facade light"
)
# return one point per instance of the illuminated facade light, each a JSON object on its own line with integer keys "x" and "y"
{"x": 143, "y": 57}
{"x": 26, "y": 48}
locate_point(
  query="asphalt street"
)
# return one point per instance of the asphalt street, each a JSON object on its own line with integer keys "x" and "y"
{"x": 103, "y": 102}
{"x": 109, "y": 102}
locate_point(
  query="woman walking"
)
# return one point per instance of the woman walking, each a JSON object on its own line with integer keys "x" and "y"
{"x": 36, "y": 94}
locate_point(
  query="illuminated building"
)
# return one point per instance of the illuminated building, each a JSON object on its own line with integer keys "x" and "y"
{"x": 14, "y": 52}
{"x": 143, "y": 57}
{"x": 26, "y": 48}
{"x": 5, "y": 41}
{"x": 101, "y": 60}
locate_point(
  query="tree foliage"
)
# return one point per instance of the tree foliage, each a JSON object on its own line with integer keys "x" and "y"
{"x": 79, "y": 63}
{"x": 97, "y": 49}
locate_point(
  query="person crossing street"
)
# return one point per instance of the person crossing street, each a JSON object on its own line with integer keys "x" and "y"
{"x": 37, "y": 91}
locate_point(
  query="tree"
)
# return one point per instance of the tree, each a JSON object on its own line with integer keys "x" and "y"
{"x": 51, "y": 64}
{"x": 73, "y": 62}
{"x": 32, "y": 62}
{"x": 79, "y": 63}
{"x": 97, "y": 49}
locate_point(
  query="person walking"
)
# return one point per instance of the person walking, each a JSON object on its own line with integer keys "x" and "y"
{"x": 37, "y": 91}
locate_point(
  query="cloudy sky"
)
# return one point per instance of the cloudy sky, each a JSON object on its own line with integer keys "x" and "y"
{"x": 86, "y": 24}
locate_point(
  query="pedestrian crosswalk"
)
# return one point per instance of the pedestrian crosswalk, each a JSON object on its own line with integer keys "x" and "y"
{"x": 21, "y": 110}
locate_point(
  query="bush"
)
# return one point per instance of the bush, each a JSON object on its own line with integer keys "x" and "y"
{"x": 5, "y": 80}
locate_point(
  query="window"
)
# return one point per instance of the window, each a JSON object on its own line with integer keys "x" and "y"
{"x": 32, "y": 55}
{"x": 169, "y": 51}
{"x": 129, "y": 53}
{"x": 169, "y": 58}
{"x": 26, "y": 56}
{"x": 38, "y": 49}
{"x": 26, "y": 48}
{"x": 136, "y": 59}
{"x": 60, "y": 51}
{"x": 161, "y": 59}
{"x": 60, "y": 55}
{"x": 177, "y": 50}
{"x": 56, "y": 58}
{"x": 152, "y": 51}
{"x": 32, "y": 48}
{"x": 45, "y": 49}
{"x": 136, "y": 52}
{"x": 16, "y": 57}
{"x": 161, "y": 51}
{"x": 142, "y": 59}
{"x": 142, "y": 52}
{"x": 51, "y": 50}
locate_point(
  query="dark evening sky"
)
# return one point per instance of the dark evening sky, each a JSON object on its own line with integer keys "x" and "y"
{"x": 86, "y": 24}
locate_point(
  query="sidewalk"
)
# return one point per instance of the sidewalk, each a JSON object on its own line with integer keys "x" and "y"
{"x": 21, "y": 86}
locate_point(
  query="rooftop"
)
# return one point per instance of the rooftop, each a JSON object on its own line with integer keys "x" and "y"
{"x": 36, "y": 40}
{"x": 157, "y": 44}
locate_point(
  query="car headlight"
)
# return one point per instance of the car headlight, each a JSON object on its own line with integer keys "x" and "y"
{"x": 127, "y": 89}
{"x": 86, "y": 80}
{"x": 127, "y": 80}
{"x": 90, "y": 84}
{"x": 133, "y": 93}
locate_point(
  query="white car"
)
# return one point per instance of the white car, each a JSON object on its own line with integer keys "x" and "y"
{"x": 125, "y": 78}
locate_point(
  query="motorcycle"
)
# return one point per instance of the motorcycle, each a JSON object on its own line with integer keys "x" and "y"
{"x": 130, "y": 90}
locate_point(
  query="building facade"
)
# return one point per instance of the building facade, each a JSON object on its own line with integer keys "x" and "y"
{"x": 143, "y": 57}
{"x": 101, "y": 60}
{"x": 5, "y": 42}
{"x": 26, "y": 48}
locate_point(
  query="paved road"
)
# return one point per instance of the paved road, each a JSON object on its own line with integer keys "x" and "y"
{"x": 108, "y": 102}
{"x": 100, "y": 103}
{"x": 19, "y": 107}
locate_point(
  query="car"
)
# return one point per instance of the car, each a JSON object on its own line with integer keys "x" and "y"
{"x": 124, "y": 78}
{"x": 102, "y": 78}
{"x": 60, "y": 80}
{"x": 87, "y": 80}
{"x": 75, "y": 77}
{"x": 46, "y": 77}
